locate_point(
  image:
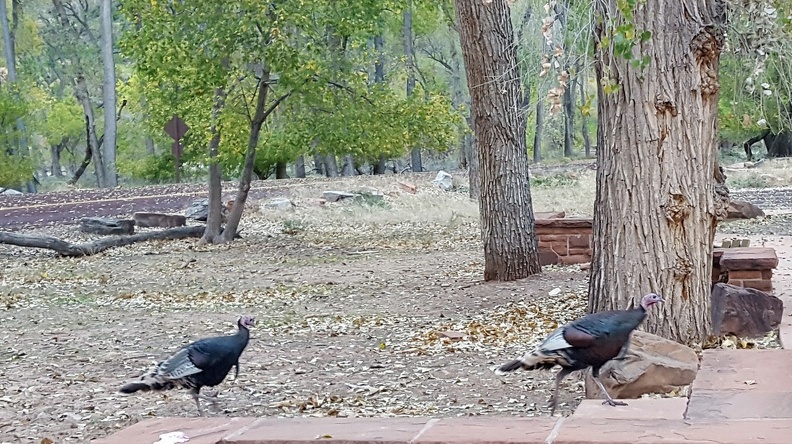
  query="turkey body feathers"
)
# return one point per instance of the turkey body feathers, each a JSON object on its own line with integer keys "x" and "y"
{"x": 590, "y": 341}
{"x": 203, "y": 363}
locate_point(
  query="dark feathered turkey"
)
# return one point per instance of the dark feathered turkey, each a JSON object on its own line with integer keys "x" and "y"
{"x": 590, "y": 341}
{"x": 203, "y": 363}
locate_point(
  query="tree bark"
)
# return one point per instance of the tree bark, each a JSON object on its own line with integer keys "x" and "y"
{"x": 349, "y": 166}
{"x": 214, "y": 219}
{"x": 507, "y": 220}
{"x": 330, "y": 165}
{"x": 109, "y": 95}
{"x": 474, "y": 170}
{"x": 409, "y": 54}
{"x": 280, "y": 170}
{"x": 55, "y": 152}
{"x": 319, "y": 164}
{"x": 656, "y": 210}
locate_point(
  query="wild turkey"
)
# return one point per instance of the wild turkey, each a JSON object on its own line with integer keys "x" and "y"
{"x": 203, "y": 363}
{"x": 590, "y": 341}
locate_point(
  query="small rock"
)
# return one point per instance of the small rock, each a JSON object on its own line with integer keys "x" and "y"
{"x": 585, "y": 266}
{"x": 555, "y": 292}
{"x": 279, "y": 203}
{"x": 452, "y": 335}
{"x": 10, "y": 192}
{"x": 368, "y": 190}
{"x": 740, "y": 209}
{"x": 653, "y": 365}
{"x": 408, "y": 187}
{"x": 744, "y": 312}
{"x": 335, "y": 196}
{"x": 444, "y": 181}
{"x": 198, "y": 210}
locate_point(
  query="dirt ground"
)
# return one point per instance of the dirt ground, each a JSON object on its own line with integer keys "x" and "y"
{"x": 350, "y": 305}
{"x": 351, "y": 301}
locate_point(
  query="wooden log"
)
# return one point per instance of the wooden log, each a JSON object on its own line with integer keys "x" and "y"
{"x": 106, "y": 226}
{"x": 159, "y": 220}
{"x": 69, "y": 249}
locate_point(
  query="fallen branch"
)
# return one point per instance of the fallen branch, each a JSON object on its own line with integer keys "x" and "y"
{"x": 89, "y": 248}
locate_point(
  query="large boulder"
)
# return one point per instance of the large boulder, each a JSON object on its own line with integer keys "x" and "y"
{"x": 744, "y": 312}
{"x": 653, "y": 365}
{"x": 740, "y": 209}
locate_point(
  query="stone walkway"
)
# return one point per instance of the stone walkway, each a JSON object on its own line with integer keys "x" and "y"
{"x": 738, "y": 397}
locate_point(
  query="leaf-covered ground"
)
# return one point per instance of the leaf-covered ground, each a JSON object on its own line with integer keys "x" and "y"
{"x": 353, "y": 302}
{"x": 352, "y": 306}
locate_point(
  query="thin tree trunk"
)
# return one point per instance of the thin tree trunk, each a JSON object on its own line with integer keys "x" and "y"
{"x": 581, "y": 80}
{"x": 88, "y": 155}
{"x": 379, "y": 77}
{"x": 539, "y": 131}
{"x": 81, "y": 91}
{"x": 507, "y": 220}
{"x": 259, "y": 116}
{"x": 409, "y": 54}
{"x": 331, "y": 165}
{"x": 55, "y": 151}
{"x": 656, "y": 209}
{"x": 151, "y": 149}
{"x": 280, "y": 170}
{"x": 214, "y": 220}
{"x": 381, "y": 166}
{"x": 349, "y": 166}
{"x": 299, "y": 167}
{"x": 569, "y": 119}
{"x": 319, "y": 164}
{"x": 109, "y": 95}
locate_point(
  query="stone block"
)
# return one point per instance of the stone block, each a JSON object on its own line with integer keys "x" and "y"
{"x": 749, "y": 259}
{"x": 579, "y": 241}
{"x": 744, "y": 311}
{"x": 576, "y": 259}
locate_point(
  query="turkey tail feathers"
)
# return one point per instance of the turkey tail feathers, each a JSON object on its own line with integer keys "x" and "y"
{"x": 146, "y": 385}
{"x": 532, "y": 361}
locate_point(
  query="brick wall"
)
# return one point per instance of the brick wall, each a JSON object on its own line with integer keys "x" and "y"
{"x": 564, "y": 241}
{"x": 568, "y": 241}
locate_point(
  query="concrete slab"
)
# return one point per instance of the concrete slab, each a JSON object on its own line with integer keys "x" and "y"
{"x": 199, "y": 430}
{"x": 479, "y": 430}
{"x": 329, "y": 430}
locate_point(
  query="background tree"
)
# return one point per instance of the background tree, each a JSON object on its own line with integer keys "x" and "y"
{"x": 110, "y": 134}
{"x": 655, "y": 210}
{"x": 507, "y": 220}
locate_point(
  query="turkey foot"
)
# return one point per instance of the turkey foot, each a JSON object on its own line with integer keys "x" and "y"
{"x": 613, "y": 402}
{"x": 608, "y": 400}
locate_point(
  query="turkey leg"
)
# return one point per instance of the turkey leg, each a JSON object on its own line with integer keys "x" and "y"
{"x": 559, "y": 377}
{"x": 608, "y": 400}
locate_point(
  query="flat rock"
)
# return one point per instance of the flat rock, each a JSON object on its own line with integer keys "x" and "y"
{"x": 335, "y": 196}
{"x": 752, "y": 258}
{"x": 653, "y": 365}
{"x": 106, "y": 226}
{"x": 278, "y": 203}
{"x": 159, "y": 220}
{"x": 744, "y": 312}
{"x": 740, "y": 209}
{"x": 10, "y": 192}
{"x": 199, "y": 210}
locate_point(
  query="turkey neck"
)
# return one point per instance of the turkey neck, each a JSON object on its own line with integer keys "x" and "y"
{"x": 243, "y": 335}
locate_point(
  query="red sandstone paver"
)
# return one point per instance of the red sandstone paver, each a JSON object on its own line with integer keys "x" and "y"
{"x": 489, "y": 429}
{"x": 725, "y": 370}
{"x": 656, "y": 408}
{"x": 727, "y": 406}
{"x": 649, "y": 431}
{"x": 199, "y": 430}
{"x": 329, "y": 430}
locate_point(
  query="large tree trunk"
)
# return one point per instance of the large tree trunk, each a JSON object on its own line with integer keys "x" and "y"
{"x": 409, "y": 55}
{"x": 331, "y": 165}
{"x": 474, "y": 170}
{"x": 280, "y": 170}
{"x": 214, "y": 220}
{"x": 55, "y": 151}
{"x": 507, "y": 220}
{"x": 109, "y": 95}
{"x": 655, "y": 213}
